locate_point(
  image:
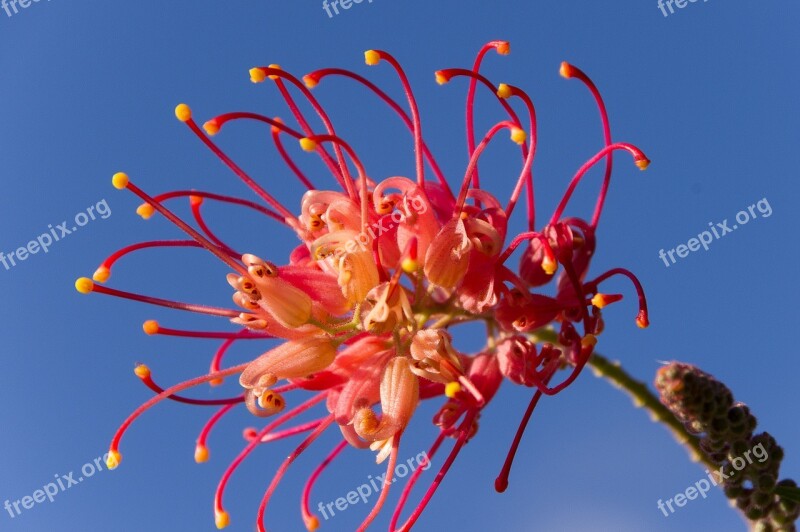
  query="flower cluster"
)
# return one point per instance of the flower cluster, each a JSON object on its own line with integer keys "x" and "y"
{"x": 365, "y": 317}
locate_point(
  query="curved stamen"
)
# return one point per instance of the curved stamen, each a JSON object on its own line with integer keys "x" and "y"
{"x": 570, "y": 71}
{"x": 143, "y": 372}
{"x": 275, "y": 74}
{"x": 276, "y": 138}
{"x": 373, "y": 57}
{"x": 184, "y": 114}
{"x": 526, "y": 176}
{"x": 462, "y": 195}
{"x": 376, "y": 509}
{"x": 121, "y": 181}
{"x": 285, "y": 466}
{"x": 114, "y": 456}
{"x": 639, "y": 159}
{"x": 501, "y": 482}
{"x": 502, "y": 48}
{"x": 311, "y": 79}
{"x": 146, "y": 211}
{"x": 642, "y": 318}
{"x": 195, "y": 203}
{"x": 312, "y": 521}
{"x": 201, "y": 449}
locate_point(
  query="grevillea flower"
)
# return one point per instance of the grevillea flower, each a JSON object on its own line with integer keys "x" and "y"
{"x": 364, "y": 310}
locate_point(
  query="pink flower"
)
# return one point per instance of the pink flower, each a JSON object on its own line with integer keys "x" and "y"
{"x": 365, "y": 309}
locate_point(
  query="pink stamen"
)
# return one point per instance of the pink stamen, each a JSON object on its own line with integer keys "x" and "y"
{"x": 501, "y": 482}
{"x": 412, "y": 104}
{"x": 276, "y": 138}
{"x": 638, "y": 157}
{"x": 196, "y": 202}
{"x": 222, "y": 198}
{"x": 202, "y": 438}
{"x": 147, "y": 379}
{"x": 305, "y": 506}
{"x": 642, "y": 318}
{"x": 386, "y": 485}
{"x": 318, "y": 75}
{"x": 202, "y": 309}
{"x": 285, "y": 466}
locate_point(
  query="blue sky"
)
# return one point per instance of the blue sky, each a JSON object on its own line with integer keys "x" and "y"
{"x": 89, "y": 88}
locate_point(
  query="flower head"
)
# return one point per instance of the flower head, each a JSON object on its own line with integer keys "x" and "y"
{"x": 363, "y": 313}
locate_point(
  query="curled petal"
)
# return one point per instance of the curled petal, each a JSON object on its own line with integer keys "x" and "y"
{"x": 399, "y": 397}
{"x": 447, "y": 258}
{"x": 292, "y": 359}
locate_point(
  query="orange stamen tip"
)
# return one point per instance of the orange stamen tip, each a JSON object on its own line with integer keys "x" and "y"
{"x": 503, "y": 47}
{"x": 276, "y": 129}
{"x": 200, "y": 453}
{"x": 273, "y": 66}
{"x": 120, "y": 180}
{"x": 312, "y": 523}
{"x": 216, "y": 382}
{"x": 441, "y": 77}
{"x": 643, "y": 163}
{"x": 257, "y": 75}
{"x": 307, "y": 144}
{"x": 211, "y": 127}
{"x": 372, "y": 58}
{"x": 518, "y": 135}
{"x": 409, "y": 265}
{"x": 195, "y": 201}
{"x": 503, "y": 91}
{"x": 549, "y": 266}
{"x": 142, "y": 371}
{"x": 221, "y": 519}
{"x": 566, "y": 70}
{"x": 101, "y": 274}
{"x": 642, "y": 320}
{"x": 310, "y": 81}
{"x": 183, "y": 112}
{"x": 589, "y": 340}
{"x": 150, "y": 327}
{"x": 113, "y": 460}
{"x": 145, "y": 210}
{"x": 84, "y": 285}
{"x": 601, "y": 300}
{"x": 451, "y": 389}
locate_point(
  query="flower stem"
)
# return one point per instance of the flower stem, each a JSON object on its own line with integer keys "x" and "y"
{"x": 644, "y": 398}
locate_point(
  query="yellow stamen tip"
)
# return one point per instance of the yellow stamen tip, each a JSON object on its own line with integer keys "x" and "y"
{"x": 211, "y": 127}
{"x": 451, "y": 389}
{"x": 257, "y": 75}
{"x": 371, "y": 57}
{"x": 145, "y": 210}
{"x": 549, "y": 266}
{"x": 120, "y": 180}
{"x": 114, "y": 459}
{"x": 273, "y": 77}
{"x": 643, "y": 164}
{"x": 142, "y": 371}
{"x": 310, "y": 81}
{"x": 503, "y": 48}
{"x": 518, "y": 135}
{"x": 307, "y": 144}
{"x": 504, "y": 91}
{"x": 599, "y": 300}
{"x": 183, "y": 112}
{"x": 150, "y": 327}
{"x": 84, "y": 285}
{"x": 566, "y": 70}
{"x": 441, "y": 79}
{"x": 409, "y": 265}
{"x": 312, "y": 523}
{"x": 642, "y": 322}
{"x": 101, "y": 274}
{"x": 200, "y": 454}
{"x": 589, "y": 340}
{"x": 221, "y": 518}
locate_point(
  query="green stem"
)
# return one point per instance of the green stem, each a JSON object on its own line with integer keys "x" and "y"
{"x": 644, "y": 398}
